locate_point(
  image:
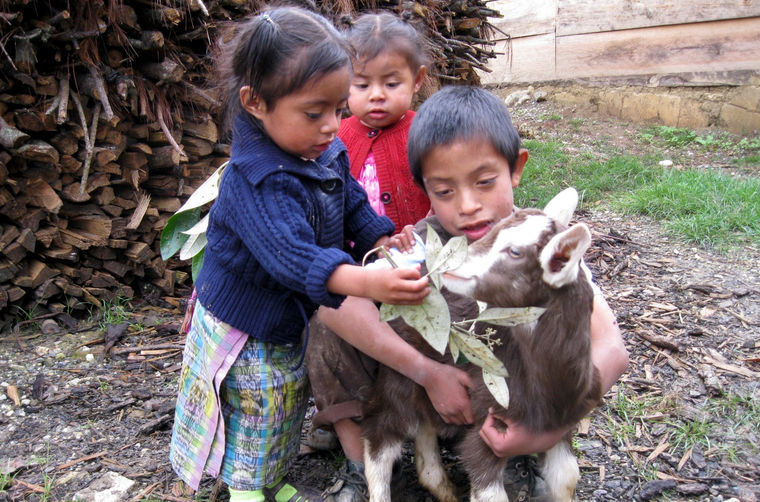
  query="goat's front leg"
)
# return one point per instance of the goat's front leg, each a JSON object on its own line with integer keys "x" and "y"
{"x": 560, "y": 471}
{"x": 486, "y": 470}
{"x": 430, "y": 470}
{"x": 378, "y": 467}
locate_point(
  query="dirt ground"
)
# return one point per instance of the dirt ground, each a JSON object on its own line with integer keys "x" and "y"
{"x": 682, "y": 423}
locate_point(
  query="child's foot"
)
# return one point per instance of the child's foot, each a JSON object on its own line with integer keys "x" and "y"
{"x": 287, "y": 492}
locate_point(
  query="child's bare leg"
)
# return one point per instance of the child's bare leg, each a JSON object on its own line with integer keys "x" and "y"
{"x": 350, "y": 437}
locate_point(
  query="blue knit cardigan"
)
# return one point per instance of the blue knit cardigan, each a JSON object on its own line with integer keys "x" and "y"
{"x": 276, "y": 233}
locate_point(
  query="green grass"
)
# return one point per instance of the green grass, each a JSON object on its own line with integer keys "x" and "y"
{"x": 677, "y": 137}
{"x": 550, "y": 117}
{"x": 748, "y": 160}
{"x": 706, "y": 207}
{"x": 626, "y": 411}
{"x": 6, "y": 480}
{"x": 113, "y": 312}
{"x": 741, "y": 418}
{"x": 703, "y": 206}
{"x": 689, "y": 433}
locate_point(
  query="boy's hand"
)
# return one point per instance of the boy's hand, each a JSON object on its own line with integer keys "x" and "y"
{"x": 403, "y": 241}
{"x": 447, "y": 387}
{"x": 399, "y": 286}
{"x": 508, "y": 438}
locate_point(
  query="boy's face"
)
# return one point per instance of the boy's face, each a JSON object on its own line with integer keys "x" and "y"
{"x": 470, "y": 186}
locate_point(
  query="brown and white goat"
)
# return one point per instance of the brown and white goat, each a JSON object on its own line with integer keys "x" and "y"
{"x": 528, "y": 259}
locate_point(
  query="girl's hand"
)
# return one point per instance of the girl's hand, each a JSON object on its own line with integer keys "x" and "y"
{"x": 403, "y": 241}
{"x": 399, "y": 286}
{"x": 508, "y": 439}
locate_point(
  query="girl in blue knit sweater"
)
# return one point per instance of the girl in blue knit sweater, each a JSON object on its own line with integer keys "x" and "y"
{"x": 286, "y": 206}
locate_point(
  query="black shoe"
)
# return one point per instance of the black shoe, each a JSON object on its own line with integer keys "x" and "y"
{"x": 350, "y": 484}
{"x": 523, "y": 480}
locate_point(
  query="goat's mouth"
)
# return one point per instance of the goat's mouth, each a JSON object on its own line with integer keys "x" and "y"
{"x": 459, "y": 284}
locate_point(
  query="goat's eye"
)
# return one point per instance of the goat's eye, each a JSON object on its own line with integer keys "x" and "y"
{"x": 513, "y": 252}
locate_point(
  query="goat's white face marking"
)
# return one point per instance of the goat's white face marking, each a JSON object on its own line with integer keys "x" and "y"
{"x": 462, "y": 280}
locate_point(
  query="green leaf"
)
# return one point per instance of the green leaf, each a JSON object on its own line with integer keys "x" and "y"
{"x": 198, "y": 228}
{"x": 197, "y": 263}
{"x": 478, "y": 353}
{"x": 497, "y": 385}
{"x": 451, "y": 256}
{"x": 431, "y": 319}
{"x": 172, "y": 237}
{"x": 388, "y": 312}
{"x": 432, "y": 249}
{"x": 193, "y": 246}
{"x": 454, "y": 350}
{"x": 205, "y": 193}
{"x": 510, "y": 316}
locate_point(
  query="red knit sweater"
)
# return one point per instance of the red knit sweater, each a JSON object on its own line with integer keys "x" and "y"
{"x": 405, "y": 202}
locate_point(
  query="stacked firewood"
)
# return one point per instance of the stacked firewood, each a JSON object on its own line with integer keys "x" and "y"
{"x": 107, "y": 124}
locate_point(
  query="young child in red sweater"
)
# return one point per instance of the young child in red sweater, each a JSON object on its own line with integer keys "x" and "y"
{"x": 388, "y": 70}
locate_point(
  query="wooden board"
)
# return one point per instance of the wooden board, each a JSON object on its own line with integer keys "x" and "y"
{"x": 591, "y": 16}
{"x": 532, "y": 59}
{"x": 713, "y": 46}
{"x": 522, "y": 18}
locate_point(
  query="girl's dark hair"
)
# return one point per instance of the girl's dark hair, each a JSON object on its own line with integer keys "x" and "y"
{"x": 276, "y": 53}
{"x": 372, "y": 34}
{"x": 459, "y": 113}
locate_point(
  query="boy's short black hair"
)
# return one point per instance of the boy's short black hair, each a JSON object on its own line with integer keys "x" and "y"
{"x": 457, "y": 113}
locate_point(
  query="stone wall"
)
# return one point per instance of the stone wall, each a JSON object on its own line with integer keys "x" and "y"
{"x": 734, "y": 108}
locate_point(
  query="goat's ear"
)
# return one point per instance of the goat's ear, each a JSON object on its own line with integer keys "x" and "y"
{"x": 561, "y": 255}
{"x": 562, "y": 206}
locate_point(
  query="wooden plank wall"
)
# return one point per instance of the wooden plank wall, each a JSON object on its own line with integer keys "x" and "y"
{"x": 576, "y": 39}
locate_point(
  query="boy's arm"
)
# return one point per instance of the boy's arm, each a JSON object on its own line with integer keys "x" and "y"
{"x": 445, "y": 385}
{"x": 608, "y": 354}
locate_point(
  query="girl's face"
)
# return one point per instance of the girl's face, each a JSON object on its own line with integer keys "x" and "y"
{"x": 304, "y": 122}
{"x": 382, "y": 89}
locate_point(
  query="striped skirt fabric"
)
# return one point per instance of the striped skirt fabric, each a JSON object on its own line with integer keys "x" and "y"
{"x": 240, "y": 406}
{"x": 264, "y": 404}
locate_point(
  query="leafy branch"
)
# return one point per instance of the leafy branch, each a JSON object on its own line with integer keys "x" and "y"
{"x": 185, "y": 230}
{"x": 432, "y": 318}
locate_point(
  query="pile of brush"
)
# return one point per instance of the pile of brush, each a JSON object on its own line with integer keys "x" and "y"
{"x": 107, "y": 125}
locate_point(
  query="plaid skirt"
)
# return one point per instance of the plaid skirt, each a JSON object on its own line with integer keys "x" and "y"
{"x": 262, "y": 397}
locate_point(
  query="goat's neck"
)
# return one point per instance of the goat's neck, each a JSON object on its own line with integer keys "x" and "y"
{"x": 561, "y": 338}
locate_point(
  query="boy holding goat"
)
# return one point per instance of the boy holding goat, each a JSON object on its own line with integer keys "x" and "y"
{"x": 465, "y": 152}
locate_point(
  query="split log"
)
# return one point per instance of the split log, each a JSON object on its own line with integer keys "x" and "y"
{"x": 42, "y": 195}
{"x": 38, "y": 151}
{"x": 10, "y": 137}
{"x": 110, "y": 107}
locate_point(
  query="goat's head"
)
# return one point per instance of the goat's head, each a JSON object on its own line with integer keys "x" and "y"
{"x": 524, "y": 256}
